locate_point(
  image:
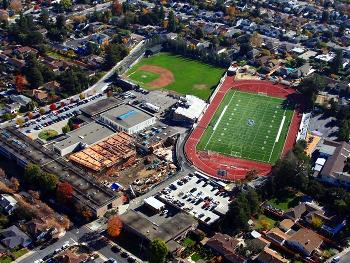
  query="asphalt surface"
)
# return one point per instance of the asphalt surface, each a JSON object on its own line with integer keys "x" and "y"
{"x": 82, "y": 235}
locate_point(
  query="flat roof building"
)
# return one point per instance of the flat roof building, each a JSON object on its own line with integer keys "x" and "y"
{"x": 83, "y": 137}
{"x": 127, "y": 118}
{"x": 100, "y": 106}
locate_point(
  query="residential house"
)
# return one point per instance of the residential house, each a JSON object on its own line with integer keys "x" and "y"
{"x": 37, "y": 229}
{"x": 7, "y": 203}
{"x": 336, "y": 171}
{"x": 51, "y": 86}
{"x": 270, "y": 256}
{"x": 301, "y": 210}
{"x": 225, "y": 246}
{"x": 303, "y": 71}
{"x": 305, "y": 241}
{"x": 13, "y": 107}
{"x": 40, "y": 95}
{"x": 277, "y": 236}
{"x": 21, "y": 99}
{"x": 24, "y": 51}
{"x": 100, "y": 39}
{"x": 286, "y": 224}
{"x": 13, "y": 237}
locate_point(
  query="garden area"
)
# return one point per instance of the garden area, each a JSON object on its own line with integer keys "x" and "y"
{"x": 284, "y": 202}
{"x": 13, "y": 255}
{"x": 264, "y": 223}
{"x": 47, "y": 134}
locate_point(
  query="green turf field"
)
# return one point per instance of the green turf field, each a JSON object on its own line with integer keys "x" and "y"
{"x": 191, "y": 76}
{"x": 247, "y": 125}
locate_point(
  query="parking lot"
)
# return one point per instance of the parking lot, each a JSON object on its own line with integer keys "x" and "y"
{"x": 201, "y": 197}
{"x": 58, "y": 118}
{"x": 325, "y": 125}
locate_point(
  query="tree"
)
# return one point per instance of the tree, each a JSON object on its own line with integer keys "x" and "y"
{"x": 31, "y": 172}
{"x": 5, "y": 4}
{"x": 14, "y": 184}
{"x": 66, "y": 129}
{"x": 199, "y": 33}
{"x": 66, "y": 4}
{"x": 325, "y": 16}
{"x": 316, "y": 221}
{"x": 47, "y": 182}
{"x": 337, "y": 62}
{"x": 20, "y": 121}
{"x": 30, "y": 115}
{"x": 113, "y": 54}
{"x": 42, "y": 111}
{"x": 16, "y": 5}
{"x": 64, "y": 192}
{"x": 117, "y": 8}
{"x": 114, "y": 226}
{"x": 172, "y": 22}
{"x": 53, "y": 107}
{"x": 20, "y": 82}
{"x": 157, "y": 251}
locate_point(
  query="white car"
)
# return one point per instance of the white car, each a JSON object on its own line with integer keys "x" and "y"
{"x": 38, "y": 261}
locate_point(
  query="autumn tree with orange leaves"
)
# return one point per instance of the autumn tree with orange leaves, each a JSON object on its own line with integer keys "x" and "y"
{"x": 114, "y": 226}
{"x": 64, "y": 191}
{"x": 20, "y": 82}
{"x": 117, "y": 8}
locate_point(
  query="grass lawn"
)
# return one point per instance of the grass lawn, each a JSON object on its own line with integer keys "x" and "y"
{"x": 188, "y": 242}
{"x": 5, "y": 259}
{"x": 284, "y": 203}
{"x": 191, "y": 76}
{"x": 47, "y": 134}
{"x": 248, "y": 126}
{"x": 264, "y": 222}
{"x": 195, "y": 256}
{"x": 19, "y": 253}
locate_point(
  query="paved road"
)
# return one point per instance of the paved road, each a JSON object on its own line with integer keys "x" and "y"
{"x": 74, "y": 236}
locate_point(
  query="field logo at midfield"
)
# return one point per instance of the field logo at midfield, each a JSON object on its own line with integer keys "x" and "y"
{"x": 250, "y": 122}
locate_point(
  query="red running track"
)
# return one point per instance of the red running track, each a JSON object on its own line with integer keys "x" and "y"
{"x": 236, "y": 168}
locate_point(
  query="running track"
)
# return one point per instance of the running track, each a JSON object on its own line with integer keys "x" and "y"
{"x": 237, "y": 168}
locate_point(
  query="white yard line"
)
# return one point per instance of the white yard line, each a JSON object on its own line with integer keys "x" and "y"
{"x": 278, "y": 135}
{"x": 220, "y": 117}
{"x": 218, "y": 121}
{"x": 280, "y": 128}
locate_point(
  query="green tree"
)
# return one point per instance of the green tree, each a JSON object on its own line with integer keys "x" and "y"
{"x": 32, "y": 172}
{"x": 48, "y": 182}
{"x": 66, "y": 4}
{"x": 171, "y": 22}
{"x": 337, "y": 62}
{"x": 5, "y": 4}
{"x": 65, "y": 129}
{"x": 113, "y": 54}
{"x": 157, "y": 251}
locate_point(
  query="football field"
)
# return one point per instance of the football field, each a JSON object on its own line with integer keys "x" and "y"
{"x": 248, "y": 126}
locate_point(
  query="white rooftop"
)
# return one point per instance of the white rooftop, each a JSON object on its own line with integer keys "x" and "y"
{"x": 195, "y": 109}
{"x": 155, "y": 203}
{"x": 321, "y": 161}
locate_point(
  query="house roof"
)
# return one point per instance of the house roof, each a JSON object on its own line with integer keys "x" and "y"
{"x": 296, "y": 212}
{"x": 225, "y": 246}
{"x": 286, "y": 223}
{"x": 336, "y": 162}
{"x": 12, "y": 237}
{"x": 277, "y": 234}
{"x": 307, "y": 238}
{"x": 271, "y": 256}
